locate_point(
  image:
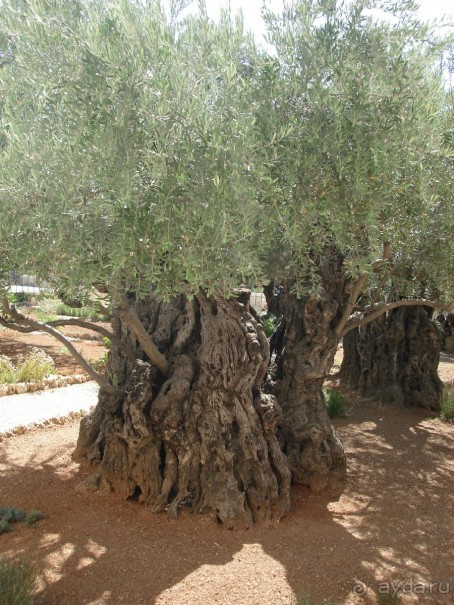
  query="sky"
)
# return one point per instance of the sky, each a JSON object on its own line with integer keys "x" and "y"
{"x": 429, "y": 10}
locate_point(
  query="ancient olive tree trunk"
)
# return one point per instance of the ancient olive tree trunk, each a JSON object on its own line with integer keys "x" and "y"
{"x": 315, "y": 454}
{"x": 204, "y": 436}
{"x": 395, "y": 359}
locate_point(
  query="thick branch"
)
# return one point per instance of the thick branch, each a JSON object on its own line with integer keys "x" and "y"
{"x": 38, "y": 325}
{"x": 131, "y": 319}
{"x": 366, "y": 318}
{"x": 351, "y": 304}
{"x": 74, "y": 322}
{"x": 360, "y": 283}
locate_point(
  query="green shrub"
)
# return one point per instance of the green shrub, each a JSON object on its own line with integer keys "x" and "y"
{"x": 33, "y": 516}
{"x": 11, "y": 513}
{"x": 7, "y": 370}
{"x": 334, "y": 402}
{"x": 17, "y": 582}
{"x": 34, "y": 366}
{"x": 307, "y": 601}
{"x": 5, "y": 527}
{"x": 82, "y": 313}
{"x": 15, "y": 298}
{"x": 447, "y": 403}
{"x": 269, "y": 325}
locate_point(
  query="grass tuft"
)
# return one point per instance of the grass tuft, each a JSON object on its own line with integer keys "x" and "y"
{"x": 99, "y": 364}
{"x": 7, "y": 370}
{"x": 34, "y": 366}
{"x": 17, "y": 582}
{"x": 447, "y": 403}
{"x": 11, "y": 514}
{"x": 335, "y": 403}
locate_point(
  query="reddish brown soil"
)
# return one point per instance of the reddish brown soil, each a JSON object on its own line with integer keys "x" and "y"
{"x": 15, "y": 344}
{"x": 394, "y": 523}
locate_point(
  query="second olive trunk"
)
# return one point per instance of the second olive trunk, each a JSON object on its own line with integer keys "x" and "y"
{"x": 304, "y": 357}
{"x": 394, "y": 359}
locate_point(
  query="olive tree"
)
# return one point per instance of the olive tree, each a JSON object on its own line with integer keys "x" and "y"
{"x": 160, "y": 165}
{"x": 360, "y": 214}
{"x": 132, "y": 168}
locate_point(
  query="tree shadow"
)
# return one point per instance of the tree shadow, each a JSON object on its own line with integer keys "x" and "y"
{"x": 446, "y": 357}
{"x": 400, "y": 473}
{"x": 94, "y": 550}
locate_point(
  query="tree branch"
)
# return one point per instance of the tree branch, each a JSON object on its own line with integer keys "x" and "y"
{"x": 360, "y": 283}
{"x": 351, "y": 304}
{"x": 74, "y": 322}
{"x": 366, "y": 318}
{"x": 131, "y": 319}
{"x": 378, "y": 290}
{"x": 22, "y": 323}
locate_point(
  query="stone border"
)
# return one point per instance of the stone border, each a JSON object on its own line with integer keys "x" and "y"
{"x": 54, "y": 421}
{"x": 52, "y": 382}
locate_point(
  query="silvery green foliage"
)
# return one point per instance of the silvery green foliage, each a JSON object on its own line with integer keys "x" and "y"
{"x": 368, "y": 157}
{"x": 131, "y": 156}
{"x": 140, "y": 149}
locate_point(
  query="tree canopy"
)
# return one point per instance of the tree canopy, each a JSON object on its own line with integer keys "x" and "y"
{"x": 132, "y": 156}
{"x": 367, "y": 162}
{"x": 139, "y": 149}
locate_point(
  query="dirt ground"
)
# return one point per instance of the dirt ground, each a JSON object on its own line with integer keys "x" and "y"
{"x": 392, "y": 529}
{"x": 15, "y": 344}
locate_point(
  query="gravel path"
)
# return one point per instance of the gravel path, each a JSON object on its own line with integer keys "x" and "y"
{"x": 33, "y": 408}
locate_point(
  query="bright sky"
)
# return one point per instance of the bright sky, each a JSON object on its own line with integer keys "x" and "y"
{"x": 429, "y": 10}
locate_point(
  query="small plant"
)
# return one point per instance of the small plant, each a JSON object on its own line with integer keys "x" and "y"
{"x": 269, "y": 325}
{"x": 335, "y": 403}
{"x": 5, "y": 527}
{"x": 388, "y": 599}
{"x": 34, "y": 366}
{"x": 15, "y": 298}
{"x": 99, "y": 364}
{"x": 307, "y": 601}
{"x": 11, "y": 514}
{"x": 447, "y": 403}
{"x": 33, "y": 516}
{"x": 7, "y": 370}
{"x": 17, "y": 582}
{"x": 83, "y": 312}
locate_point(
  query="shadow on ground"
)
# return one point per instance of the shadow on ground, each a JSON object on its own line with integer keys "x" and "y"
{"x": 393, "y": 524}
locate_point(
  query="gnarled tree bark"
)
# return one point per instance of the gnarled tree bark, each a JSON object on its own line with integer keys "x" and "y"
{"x": 315, "y": 453}
{"x": 394, "y": 359}
{"x": 204, "y": 435}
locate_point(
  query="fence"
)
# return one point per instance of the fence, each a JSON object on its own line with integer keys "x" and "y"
{"x": 21, "y": 283}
